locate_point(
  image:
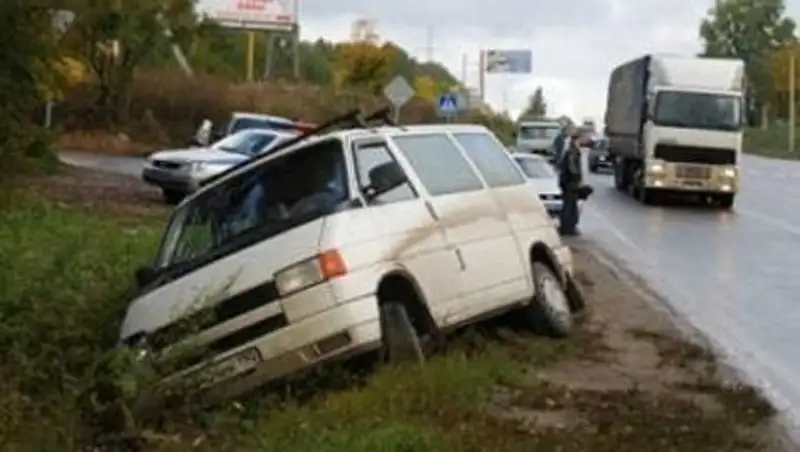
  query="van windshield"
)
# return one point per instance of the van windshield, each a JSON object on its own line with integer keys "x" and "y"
{"x": 271, "y": 198}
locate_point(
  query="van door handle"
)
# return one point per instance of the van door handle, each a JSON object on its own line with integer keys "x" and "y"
{"x": 431, "y": 211}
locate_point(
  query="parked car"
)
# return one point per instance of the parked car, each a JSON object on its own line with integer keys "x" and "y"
{"x": 380, "y": 238}
{"x": 179, "y": 172}
{"x": 599, "y": 157}
{"x": 240, "y": 121}
{"x": 544, "y": 178}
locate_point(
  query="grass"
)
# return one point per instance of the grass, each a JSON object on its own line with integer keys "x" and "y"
{"x": 63, "y": 290}
{"x": 63, "y": 285}
{"x": 772, "y": 142}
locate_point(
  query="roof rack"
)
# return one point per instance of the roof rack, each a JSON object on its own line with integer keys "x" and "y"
{"x": 350, "y": 120}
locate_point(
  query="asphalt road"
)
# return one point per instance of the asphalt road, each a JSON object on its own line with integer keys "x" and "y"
{"x": 735, "y": 275}
{"x": 732, "y": 275}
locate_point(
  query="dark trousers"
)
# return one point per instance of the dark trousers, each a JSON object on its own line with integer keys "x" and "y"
{"x": 569, "y": 211}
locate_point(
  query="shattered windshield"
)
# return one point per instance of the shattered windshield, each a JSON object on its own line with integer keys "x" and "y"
{"x": 698, "y": 110}
{"x": 276, "y": 196}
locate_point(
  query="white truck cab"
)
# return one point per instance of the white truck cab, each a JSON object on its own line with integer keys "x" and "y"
{"x": 342, "y": 243}
{"x": 536, "y": 137}
{"x": 675, "y": 125}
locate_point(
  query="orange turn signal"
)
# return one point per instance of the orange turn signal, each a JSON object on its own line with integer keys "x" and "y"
{"x": 331, "y": 264}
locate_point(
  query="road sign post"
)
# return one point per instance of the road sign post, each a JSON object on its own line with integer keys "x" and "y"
{"x": 398, "y": 92}
{"x": 450, "y": 104}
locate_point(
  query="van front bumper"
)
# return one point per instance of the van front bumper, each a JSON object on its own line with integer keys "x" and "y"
{"x": 348, "y": 329}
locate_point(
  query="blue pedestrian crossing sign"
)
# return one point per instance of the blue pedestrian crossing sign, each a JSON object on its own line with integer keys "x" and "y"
{"x": 449, "y": 104}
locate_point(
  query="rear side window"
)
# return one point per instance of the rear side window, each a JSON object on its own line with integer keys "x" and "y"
{"x": 491, "y": 159}
{"x": 439, "y": 163}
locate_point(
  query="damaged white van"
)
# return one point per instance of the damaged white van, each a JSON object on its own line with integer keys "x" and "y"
{"x": 345, "y": 242}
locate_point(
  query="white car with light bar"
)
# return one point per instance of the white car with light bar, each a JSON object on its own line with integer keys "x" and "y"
{"x": 352, "y": 238}
{"x": 180, "y": 172}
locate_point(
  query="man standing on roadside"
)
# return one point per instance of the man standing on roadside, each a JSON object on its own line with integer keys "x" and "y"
{"x": 570, "y": 179}
{"x": 560, "y": 141}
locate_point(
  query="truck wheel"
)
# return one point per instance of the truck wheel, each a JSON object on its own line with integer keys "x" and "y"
{"x": 726, "y": 201}
{"x": 549, "y": 311}
{"x": 400, "y": 340}
{"x": 619, "y": 175}
{"x": 172, "y": 197}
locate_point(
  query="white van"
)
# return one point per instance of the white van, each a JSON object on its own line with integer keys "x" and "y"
{"x": 353, "y": 241}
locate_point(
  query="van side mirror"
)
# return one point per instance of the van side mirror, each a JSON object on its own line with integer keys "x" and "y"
{"x": 144, "y": 276}
{"x": 383, "y": 178}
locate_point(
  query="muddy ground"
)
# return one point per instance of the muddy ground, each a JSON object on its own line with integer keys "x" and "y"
{"x": 634, "y": 383}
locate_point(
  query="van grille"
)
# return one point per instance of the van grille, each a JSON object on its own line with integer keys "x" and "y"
{"x": 206, "y": 318}
{"x": 692, "y": 154}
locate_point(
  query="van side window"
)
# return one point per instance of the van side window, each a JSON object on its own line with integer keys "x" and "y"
{"x": 367, "y": 157}
{"x": 439, "y": 164}
{"x": 491, "y": 159}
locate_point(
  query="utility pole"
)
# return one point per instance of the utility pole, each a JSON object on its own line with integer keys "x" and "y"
{"x": 792, "y": 97}
{"x": 482, "y": 75}
{"x": 429, "y": 43}
{"x": 464, "y": 69}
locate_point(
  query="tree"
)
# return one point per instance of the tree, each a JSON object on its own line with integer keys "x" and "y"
{"x": 426, "y": 87}
{"x": 27, "y": 75}
{"x": 537, "y": 105}
{"x": 113, "y": 38}
{"x": 750, "y": 30}
{"x": 363, "y": 65}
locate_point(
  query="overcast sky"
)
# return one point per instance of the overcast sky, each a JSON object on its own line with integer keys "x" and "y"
{"x": 575, "y": 43}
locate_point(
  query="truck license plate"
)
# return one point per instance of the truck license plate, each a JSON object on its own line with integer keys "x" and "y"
{"x": 693, "y": 172}
{"x": 237, "y": 364}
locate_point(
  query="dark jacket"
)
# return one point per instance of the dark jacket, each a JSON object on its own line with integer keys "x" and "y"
{"x": 558, "y": 146}
{"x": 570, "y": 170}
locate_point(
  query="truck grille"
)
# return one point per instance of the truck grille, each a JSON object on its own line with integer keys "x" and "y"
{"x": 692, "y": 154}
{"x": 692, "y": 172}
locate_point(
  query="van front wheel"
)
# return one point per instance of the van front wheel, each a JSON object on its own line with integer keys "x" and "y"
{"x": 400, "y": 339}
{"x": 549, "y": 312}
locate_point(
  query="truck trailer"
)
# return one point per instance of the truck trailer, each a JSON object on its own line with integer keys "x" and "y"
{"x": 674, "y": 124}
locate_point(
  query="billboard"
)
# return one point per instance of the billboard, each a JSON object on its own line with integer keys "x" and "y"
{"x": 508, "y": 61}
{"x": 251, "y": 14}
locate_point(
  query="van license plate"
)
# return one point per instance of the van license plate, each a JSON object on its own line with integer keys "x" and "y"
{"x": 237, "y": 364}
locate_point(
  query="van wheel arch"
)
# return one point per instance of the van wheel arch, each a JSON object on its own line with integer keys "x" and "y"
{"x": 540, "y": 252}
{"x": 399, "y": 288}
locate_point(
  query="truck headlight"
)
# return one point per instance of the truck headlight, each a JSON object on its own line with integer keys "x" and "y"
{"x": 655, "y": 168}
{"x": 310, "y": 272}
{"x": 730, "y": 173}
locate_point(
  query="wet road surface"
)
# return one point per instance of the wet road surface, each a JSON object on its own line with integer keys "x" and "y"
{"x": 735, "y": 275}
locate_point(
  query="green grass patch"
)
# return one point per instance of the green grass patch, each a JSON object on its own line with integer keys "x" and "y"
{"x": 771, "y": 142}
{"x": 65, "y": 280}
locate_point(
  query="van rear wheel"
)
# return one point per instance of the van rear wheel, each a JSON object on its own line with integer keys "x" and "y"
{"x": 401, "y": 343}
{"x": 549, "y": 312}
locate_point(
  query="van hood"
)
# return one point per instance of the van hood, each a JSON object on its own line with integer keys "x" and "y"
{"x": 205, "y": 155}
{"x": 221, "y": 279}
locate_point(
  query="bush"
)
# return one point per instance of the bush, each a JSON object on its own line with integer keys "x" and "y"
{"x": 63, "y": 289}
{"x": 166, "y": 106}
{"x": 26, "y": 56}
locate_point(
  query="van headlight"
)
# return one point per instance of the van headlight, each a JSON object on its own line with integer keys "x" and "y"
{"x": 655, "y": 168}
{"x": 310, "y": 272}
{"x": 730, "y": 173}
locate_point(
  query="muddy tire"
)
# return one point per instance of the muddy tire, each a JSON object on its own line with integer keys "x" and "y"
{"x": 575, "y": 298}
{"x": 401, "y": 342}
{"x": 549, "y": 311}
